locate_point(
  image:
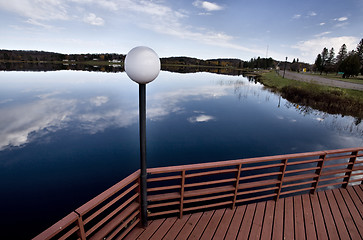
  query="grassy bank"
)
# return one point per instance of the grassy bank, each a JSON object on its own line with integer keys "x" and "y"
{"x": 329, "y": 99}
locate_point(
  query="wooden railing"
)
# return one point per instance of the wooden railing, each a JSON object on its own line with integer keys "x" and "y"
{"x": 111, "y": 215}
{"x": 182, "y": 189}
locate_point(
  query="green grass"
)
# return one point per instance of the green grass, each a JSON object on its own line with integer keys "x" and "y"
{"x": 329, "y": 99}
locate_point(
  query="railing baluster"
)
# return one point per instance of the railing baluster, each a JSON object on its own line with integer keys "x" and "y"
{"x": 281, "y": 177}
{"x": 81, "y": 233}
{"x": 350, "y": 167}
{"x": 236, "y": 185}
{"x": 182, "y": 194}
{"x": 318, "y": 172}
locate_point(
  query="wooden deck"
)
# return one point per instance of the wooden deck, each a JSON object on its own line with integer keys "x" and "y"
{"x": 332, "y": 214}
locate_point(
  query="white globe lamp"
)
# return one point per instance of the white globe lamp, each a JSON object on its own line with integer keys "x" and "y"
{"x": 142, "y": 65}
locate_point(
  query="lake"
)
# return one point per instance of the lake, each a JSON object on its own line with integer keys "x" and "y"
{"x": 66, "y": 136}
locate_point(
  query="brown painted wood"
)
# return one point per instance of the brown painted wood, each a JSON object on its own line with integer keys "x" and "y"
{"x": 181, "y": 208}
{"x": 224, "y": 224}
{"x": 318, "y": 218}
{"x": 256, "y": 227}
{"x": 328, "y": 217}
{"x": 176, "y": 228}
{"x": 247, "y": 222}
{"x": 347, "y": 218}
{"x": 106, "y": 194}
{"x": 235, "y": 223}
{"x": 151, "y": 229}
{"x": 213, "y": 224}
{"x": 308, "y": 218}
{"x": 358, "y": 190}
{"x": 278, "y": 227}
{"x": 199, "y": 192}
{"x": 136, "y": 232}
{"x": 356, "y": 200}
{"x": 189, "y": 226}
{"x": 202, "y": 224}
{"x": 164, "y": 228}
{"x": 267, "y": 224}
{"x": 289, "y": 218}
{"x": 215, "y": 172}
{"x": 342, "y": 230}
{"x": 357, "y": 218}
{"x": 299, "y": 218}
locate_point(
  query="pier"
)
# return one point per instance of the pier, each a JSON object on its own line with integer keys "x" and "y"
{"x": 313, "y": 195}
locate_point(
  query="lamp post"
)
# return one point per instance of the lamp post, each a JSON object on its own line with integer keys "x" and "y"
{"x": 142, "y": 65}
{"x": 284, "y": 68}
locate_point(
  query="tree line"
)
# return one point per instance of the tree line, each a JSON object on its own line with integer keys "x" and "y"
{"x": 346, "y": 63}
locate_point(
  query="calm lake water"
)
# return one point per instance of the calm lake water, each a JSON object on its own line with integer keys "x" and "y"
{"x": 66, "y": 136}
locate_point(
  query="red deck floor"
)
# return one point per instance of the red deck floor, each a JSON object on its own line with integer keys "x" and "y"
{"x": 332, "y": 214}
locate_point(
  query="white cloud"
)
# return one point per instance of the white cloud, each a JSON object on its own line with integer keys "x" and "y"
{"x": 296, "y": 16}
{"x": 322, "y": 34}
{"x": 208, "y": 6}
{"x": 201, "y": 118}
{"x": 310, "y": 48}
{"x": 312, "y": 14}
{"x": 99, "y": 100}
{"x": 93, "y": 20}
{"x": 37, "y": 10}
{"x": 341, "y": 19}
{"x": 322, "y": 24}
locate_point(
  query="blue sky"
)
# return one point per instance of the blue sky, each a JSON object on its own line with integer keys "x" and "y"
{"x": 203, "y": 29}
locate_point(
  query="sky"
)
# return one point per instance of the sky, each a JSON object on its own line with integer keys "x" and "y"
{"x": 202, "y": 29}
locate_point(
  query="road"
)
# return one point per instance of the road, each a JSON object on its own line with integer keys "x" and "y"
{"x": 321, "y": 80}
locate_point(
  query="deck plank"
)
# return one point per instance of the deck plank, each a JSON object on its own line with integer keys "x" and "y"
{"x": 247, "y": 221}
{"x": 189, "y": 226}
{"x": 289, "y": 218}
{"x": 342, "y": 230}
{"x": 164, "y": 228}
{"x": 258, "y": 221}
{"x": 332, "y": 214}
{"x": 235, "y": 223}
{"x": 347, "y": 218}
{"x": 358, "y": 204}
{"x": 359, "y": 191}
{"x": 213, "y": 224}
{"x": 268, "y": 220}
{"x": 278, "y": 227}
{"x": 151, "y": 229}
{"x": 358, "y": 220}
{"x": 318, "y": 218}
{"x": 224, "y": 224}
{"x": 136, "y": 232}
{"x": 299, "y": 218}
{"x": 201, "y": 226}
{"x": 176, "y": 228}
{"x": 328, "y": 218}
{"x": 308, "y": 218}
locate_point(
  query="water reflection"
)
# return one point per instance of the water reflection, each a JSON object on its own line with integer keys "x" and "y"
{"x": 35, "y": 111}
{"x": 67, "y": 136}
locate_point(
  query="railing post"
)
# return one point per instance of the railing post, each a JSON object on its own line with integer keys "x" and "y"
{"x": 182, "y": 194}
{"x": 318, "y": 171}
{"x": 238, "y": 175}
{"x": 350, "y": 168}
{"x": 281, "y": 177}
{"x": 81, "y": 233}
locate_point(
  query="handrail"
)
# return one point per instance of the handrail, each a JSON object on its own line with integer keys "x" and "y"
{"x": 195, "y": 187}
{"x": 177, "y": 190}
{"x": 112, "y": 213}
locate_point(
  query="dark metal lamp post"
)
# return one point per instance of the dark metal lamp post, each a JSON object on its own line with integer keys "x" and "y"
{"x": 142, "y": 65}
